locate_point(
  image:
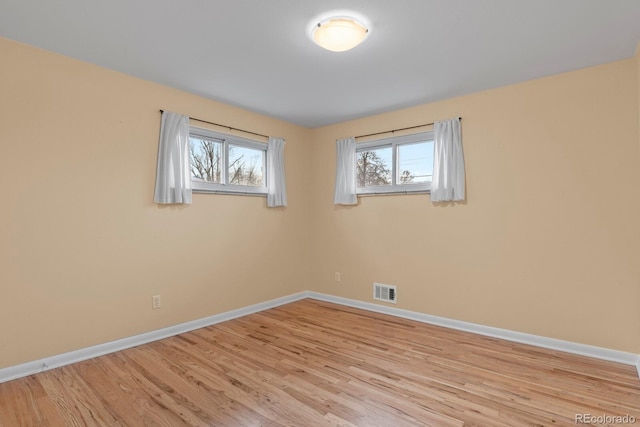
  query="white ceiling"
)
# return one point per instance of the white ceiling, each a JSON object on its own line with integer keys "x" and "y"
{"x": 256, "y": 54}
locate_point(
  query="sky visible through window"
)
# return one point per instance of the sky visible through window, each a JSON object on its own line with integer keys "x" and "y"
{"x": 415, "y": 161}
{"x": 245, "y": 164}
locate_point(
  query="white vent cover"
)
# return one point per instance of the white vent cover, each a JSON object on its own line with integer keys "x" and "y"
{"x": 382, "y": 292}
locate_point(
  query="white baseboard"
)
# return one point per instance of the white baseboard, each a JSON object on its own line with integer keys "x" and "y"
{"x": 26, "y": 369}
{"x": 505, "y": 334}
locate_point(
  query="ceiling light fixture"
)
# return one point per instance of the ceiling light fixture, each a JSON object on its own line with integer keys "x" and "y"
{"x": 339, "y": 34}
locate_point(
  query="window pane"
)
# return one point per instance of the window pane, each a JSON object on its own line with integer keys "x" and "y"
{"x": 205, "y": 159}
{"x": 415, "y": 163}
{"x": 246, "y": 166}
{"x": 374, "y": 166}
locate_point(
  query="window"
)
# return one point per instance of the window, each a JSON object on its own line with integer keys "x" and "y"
{"x": 400, "y": 164}
{"x": 222, "y": 163}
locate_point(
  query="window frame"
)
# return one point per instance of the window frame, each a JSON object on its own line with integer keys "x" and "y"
{"x": 224, "y": 187}
{"x": 394, "y": 142}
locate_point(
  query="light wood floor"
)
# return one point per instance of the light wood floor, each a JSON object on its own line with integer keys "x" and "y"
{"x": 312, "y": 363}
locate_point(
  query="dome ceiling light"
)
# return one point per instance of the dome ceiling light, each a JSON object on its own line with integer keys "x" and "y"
{"x": 339, "y": 34}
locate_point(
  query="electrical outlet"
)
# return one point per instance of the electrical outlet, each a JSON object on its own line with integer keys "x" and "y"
{"x": 337, "y": 276}
{"x": 155, "y": 302}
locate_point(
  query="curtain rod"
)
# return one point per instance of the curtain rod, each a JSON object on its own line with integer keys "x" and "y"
{"x": 397, "y": 130}
{"x": 225, "y": 126}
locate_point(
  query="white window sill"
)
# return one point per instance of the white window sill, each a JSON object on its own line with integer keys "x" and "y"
{"x": 238, "y": 190}
{"x": 393, "y": 193}
{"x": 232, "y": 193}
{"x": 394, "y": 190}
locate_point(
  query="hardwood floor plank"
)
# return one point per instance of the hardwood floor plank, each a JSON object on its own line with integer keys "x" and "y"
{"x": 31, "y": 403}
{"x": 312, "y": 363}
{"x": 213, "y": 381}
{"x": 150, "y": 401}
{"x": 75, "y": 402}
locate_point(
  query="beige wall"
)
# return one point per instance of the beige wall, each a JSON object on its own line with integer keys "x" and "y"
{"x": 548, "y": 240}
{"x": 546, "y": 243}
{"x": 82, "y": 245}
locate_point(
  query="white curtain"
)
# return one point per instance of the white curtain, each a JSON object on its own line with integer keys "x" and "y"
{"x": 173, "y": 175}
{"x": 276, "y": 185}
{"x": 448, "y": 162}
{"x": 345, "y": 193}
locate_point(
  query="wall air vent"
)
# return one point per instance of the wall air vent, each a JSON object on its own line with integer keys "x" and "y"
{"x": 386, "y": 293}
